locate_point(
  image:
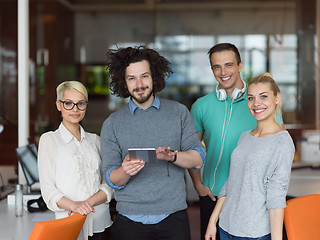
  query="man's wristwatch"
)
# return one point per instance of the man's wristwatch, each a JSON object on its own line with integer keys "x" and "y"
{"x": 174, "y": 159}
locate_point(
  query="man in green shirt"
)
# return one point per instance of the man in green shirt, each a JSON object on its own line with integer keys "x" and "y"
{"x": 220, "y": 117}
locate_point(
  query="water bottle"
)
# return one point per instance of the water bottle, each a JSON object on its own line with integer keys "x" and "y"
{"x": 19, "y": 201}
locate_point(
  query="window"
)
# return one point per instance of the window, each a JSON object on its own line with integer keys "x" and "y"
{"x": 193, "y": 78}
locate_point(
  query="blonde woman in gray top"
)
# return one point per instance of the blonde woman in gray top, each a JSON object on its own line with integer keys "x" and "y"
{"x": 252, "y": 201}
{"x": 70, "y": 166}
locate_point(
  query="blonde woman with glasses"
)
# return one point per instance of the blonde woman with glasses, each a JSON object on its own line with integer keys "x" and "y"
{"x": 70, "y": 166}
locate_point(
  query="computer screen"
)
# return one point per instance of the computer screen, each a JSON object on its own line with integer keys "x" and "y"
{"x": 27, "y": 156}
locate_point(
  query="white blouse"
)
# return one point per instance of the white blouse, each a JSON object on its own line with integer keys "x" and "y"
{"x": 72, "y": 169}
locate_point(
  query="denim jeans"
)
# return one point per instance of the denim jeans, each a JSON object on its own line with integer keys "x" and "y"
{"x": 226, "y": 236}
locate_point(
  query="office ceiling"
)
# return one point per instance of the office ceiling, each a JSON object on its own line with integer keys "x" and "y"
{"x": 105, "y": 5}
{"x": 88, "y": 2}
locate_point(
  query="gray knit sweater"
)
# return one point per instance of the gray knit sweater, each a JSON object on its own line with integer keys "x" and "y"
{"x": 159, "y": 188}
{"x": 258, "y": 181}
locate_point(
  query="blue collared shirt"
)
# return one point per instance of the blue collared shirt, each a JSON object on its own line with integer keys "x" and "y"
{"x": 133, "y": 106}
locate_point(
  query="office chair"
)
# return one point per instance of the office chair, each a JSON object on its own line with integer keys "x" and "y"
{"x": 63, "y": 229}
{"x": 302, "y": 218}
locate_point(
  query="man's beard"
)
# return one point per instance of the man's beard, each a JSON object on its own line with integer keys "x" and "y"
{"x": 142, "y": 99}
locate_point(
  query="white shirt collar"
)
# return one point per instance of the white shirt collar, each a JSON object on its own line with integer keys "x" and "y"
{"x": 67, "y": 136}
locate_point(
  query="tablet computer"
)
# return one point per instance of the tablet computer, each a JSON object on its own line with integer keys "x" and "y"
{"x": 146, "y": 154}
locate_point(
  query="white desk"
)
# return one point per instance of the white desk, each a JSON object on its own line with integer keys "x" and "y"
{"x": 18, "y": 228}
{"x": 303, "y": 182}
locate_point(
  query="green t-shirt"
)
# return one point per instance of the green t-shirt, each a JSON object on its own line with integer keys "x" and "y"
{"x": 211, "y": 117}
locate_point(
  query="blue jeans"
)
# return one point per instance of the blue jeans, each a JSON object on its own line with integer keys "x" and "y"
{"x": 226, "y": 236}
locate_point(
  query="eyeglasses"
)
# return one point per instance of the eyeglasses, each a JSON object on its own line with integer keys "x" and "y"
{"x": 68, "y": 105}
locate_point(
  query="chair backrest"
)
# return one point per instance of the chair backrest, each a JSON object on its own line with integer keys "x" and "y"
{"x": 63, "y": 229}
{"x": 302, "y": 218}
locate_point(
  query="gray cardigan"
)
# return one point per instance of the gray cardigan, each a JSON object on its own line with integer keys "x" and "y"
{"x": 159, "y": 188}
{"x": 258, "y": 181}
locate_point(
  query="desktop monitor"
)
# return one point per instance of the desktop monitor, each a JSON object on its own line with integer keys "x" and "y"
{"x": 27, "y": 157}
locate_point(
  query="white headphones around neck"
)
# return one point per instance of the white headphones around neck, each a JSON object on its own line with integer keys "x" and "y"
{"x": 237, "y": 93}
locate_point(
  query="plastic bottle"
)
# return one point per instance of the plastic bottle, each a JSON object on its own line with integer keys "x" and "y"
{"x": 19, "y": 201}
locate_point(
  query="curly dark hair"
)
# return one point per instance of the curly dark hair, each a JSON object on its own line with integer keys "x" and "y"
{"x": 118, "y": 60}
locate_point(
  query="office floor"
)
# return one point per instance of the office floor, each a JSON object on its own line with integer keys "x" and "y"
{"x": 194, "y": 219}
